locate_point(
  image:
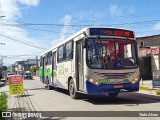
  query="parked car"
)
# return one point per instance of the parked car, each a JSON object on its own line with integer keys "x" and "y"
{"x": 28, "y": 76}
{"x": 22, "y": 73}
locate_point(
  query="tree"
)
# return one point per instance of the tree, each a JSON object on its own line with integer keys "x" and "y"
{"x": 33, "y": 69}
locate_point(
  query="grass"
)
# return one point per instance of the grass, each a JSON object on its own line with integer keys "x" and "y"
{"x": 3, "y": 104}
{"x": 144, "y": 88}
{"x": 158, "y": 92}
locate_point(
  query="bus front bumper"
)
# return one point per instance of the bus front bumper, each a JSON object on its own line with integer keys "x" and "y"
{"x": 104, "y": 89}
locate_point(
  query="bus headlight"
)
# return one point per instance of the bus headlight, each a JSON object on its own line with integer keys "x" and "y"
{"x": 96, "y": 82}
{"x": 91, "y": 80}
{"x": 134, "y": 81}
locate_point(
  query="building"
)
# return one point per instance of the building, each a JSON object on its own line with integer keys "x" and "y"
{"x": 25, "y": 65}
{"x": 149, "y": 56}
{"x": 29, "y": 63}
{"x": 19, "y": 66}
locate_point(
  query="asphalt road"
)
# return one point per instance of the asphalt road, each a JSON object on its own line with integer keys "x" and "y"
{"x": 37, "y": 98}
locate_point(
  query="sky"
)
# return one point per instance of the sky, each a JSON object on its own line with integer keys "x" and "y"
{"x": 25, "y": 37}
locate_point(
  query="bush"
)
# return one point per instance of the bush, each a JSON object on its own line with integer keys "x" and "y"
{"x": 143, "y": 88}
{"x": 33, "y": 69}
{"x": 158, "y": 92}
{"x": 3, "y": 104}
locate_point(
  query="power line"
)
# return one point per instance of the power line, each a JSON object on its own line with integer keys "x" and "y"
{"x": 74, "y": 25}
{"x": 123, "y": 16}
{"x": 46, "y": 36}
{"x": 32, "y": 54}
{"x": 32, "y": 43}
{"x": 22, "y": 42}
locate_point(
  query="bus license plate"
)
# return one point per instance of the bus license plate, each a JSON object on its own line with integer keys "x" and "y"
{"x": 118, "y": 86}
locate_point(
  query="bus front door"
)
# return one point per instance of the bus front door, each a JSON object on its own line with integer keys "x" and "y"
{"x": 79, "y": 66}
{"x": 43, "y": 64}
{"x": 53, "y": 68}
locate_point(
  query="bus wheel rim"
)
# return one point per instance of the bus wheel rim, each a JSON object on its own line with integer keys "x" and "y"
{"x": 71, "y": 88}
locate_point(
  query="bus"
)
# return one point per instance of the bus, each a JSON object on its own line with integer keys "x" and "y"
{"x": 94, "y": 61}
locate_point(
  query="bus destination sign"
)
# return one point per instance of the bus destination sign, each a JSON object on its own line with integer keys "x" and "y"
{"x": 111, "y": 32}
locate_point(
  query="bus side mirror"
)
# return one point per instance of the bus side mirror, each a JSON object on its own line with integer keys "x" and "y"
{"x": 84, "y": 42}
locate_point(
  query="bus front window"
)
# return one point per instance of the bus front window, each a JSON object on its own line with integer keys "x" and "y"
{"x": 111, "y": 53}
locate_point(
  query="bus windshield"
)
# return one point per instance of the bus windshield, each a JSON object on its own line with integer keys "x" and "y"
{"x": 111, "y": 54}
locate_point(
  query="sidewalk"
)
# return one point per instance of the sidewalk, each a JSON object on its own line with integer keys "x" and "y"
{"x": 148, "y": 83}
{"x": 36, "y": 78}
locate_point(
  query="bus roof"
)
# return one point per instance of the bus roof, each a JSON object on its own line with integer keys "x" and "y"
{"x": 78, "y": 33}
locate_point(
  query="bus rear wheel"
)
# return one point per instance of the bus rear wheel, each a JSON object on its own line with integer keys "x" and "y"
{"x": 113, "y": 95}
{"x": 72, "y": 90}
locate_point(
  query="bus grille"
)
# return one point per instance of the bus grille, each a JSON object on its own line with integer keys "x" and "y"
{"x": 115, "y": 75}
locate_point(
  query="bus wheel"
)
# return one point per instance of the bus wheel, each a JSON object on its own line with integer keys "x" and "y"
{"x": 113, "y": 95}
{"x": 72, "y": 90}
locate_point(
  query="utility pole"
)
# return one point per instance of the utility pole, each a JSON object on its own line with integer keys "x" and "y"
{"x": 37, "y": 61}
{"x": 1, "y": 59}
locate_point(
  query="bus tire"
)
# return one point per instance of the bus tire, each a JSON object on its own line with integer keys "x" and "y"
{"x": 72, "y": 90}
{"x": 113, "y": 95}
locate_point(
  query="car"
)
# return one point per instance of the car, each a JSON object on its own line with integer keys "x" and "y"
{"x": 22, "y": 73}
{"x": 28, "y": 76}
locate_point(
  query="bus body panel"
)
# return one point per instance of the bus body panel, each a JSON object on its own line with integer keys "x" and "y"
{"x": 109, "y": 86}
{"x": 64, "y": 71}
{"x": 48, "y": 74}
{"x": 104, "y": 89}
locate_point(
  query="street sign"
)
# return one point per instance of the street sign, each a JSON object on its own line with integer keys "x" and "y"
{"x": 16, "y": 85}
{"x": 155, "y": 83}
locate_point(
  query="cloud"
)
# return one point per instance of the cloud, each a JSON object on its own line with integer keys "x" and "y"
{"x": 66, "y": 30}
{"x": 29, "y": 2}
{"x": 66, "y": 21}
{"x": 12, "y": 11}
{"x": 156, "y": 26}
{"x": 115, "y": 10}
{"x": 131, "y": 9}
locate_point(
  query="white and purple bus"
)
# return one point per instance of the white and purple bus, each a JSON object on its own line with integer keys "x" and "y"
{"x": 94, "y": 61}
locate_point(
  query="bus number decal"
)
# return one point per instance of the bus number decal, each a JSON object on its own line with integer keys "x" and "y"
{"x": 104, "y": 81}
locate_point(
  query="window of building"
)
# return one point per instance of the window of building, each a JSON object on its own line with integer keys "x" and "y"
{"x": 141, "y": 44}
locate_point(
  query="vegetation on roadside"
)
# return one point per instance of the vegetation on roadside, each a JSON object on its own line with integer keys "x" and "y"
{"x": 143, "y": 88}
{"x": 158, "y": 92}
{"x": 34, "y": 68}
{"x": 3, "y": 103}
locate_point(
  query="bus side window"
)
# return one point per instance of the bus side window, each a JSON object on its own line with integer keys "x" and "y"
{"x": 60, "y": 54}
{"x": 69, "y": 50}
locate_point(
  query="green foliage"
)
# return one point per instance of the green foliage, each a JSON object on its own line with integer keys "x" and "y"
{"x": 143, "y": 88}
{"x": 34, "y": 68}
{"x": 3, "y": 104}
{"x": 27, "y": 69}
{"x": 158, "y": 92}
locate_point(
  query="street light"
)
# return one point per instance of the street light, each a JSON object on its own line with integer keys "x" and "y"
{"x": 2, "y": 16}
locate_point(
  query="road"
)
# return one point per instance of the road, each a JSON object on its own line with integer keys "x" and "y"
{"x": 37, "y": 98}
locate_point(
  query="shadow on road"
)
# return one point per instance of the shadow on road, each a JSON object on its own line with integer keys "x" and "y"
{"x": 29, "y": 79}
{"x": 130, "y": 99}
